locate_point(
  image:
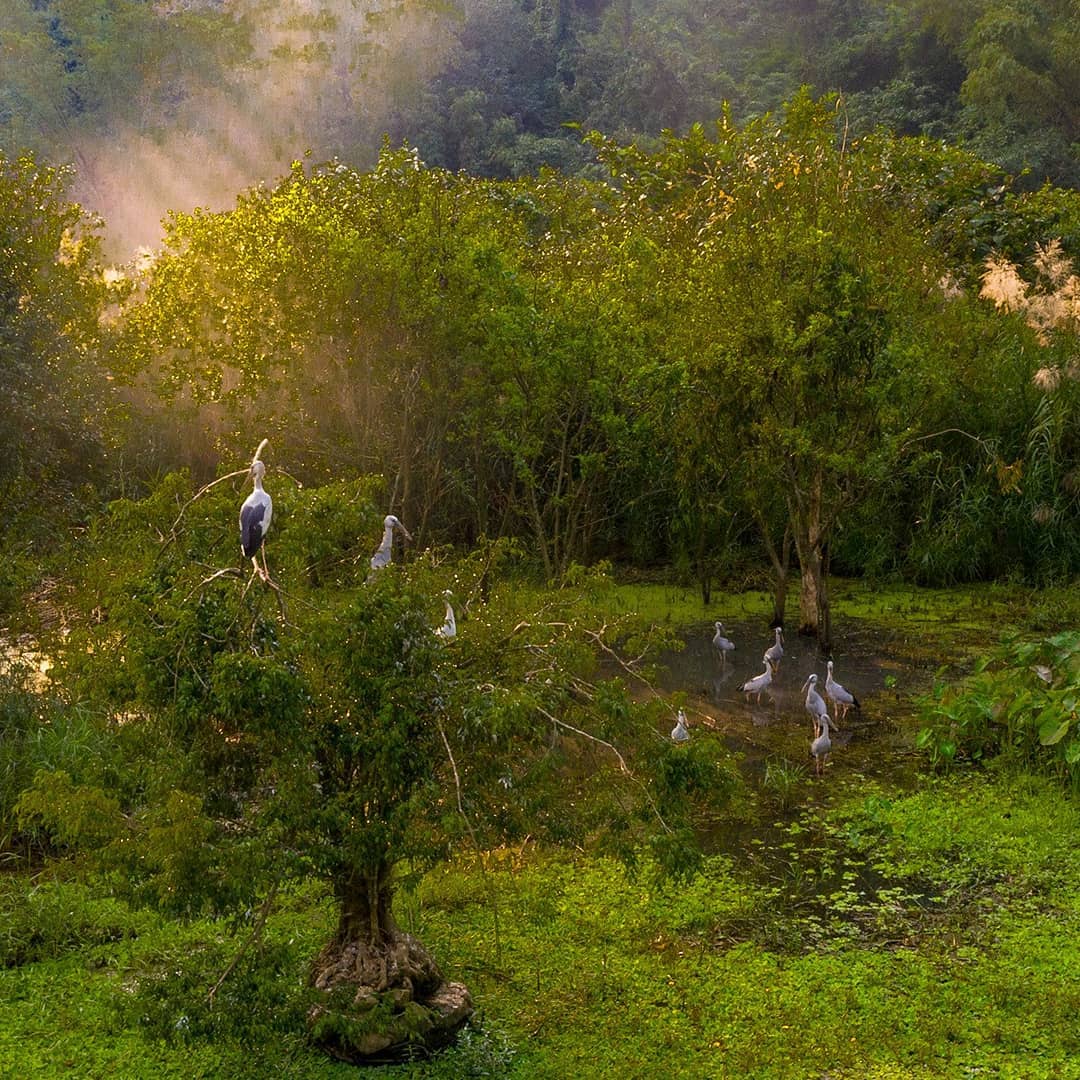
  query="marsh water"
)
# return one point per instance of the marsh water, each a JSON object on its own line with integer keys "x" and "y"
{"x": 881, "y": 668}
{"x": 784, "y": 843}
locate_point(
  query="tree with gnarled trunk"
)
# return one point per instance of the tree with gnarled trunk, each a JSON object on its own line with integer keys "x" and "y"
{"x": 352, "y": 744}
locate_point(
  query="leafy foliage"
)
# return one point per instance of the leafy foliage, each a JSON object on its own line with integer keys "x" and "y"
{"x": 55, "y": 410}
{"x": 1021, "y": 703}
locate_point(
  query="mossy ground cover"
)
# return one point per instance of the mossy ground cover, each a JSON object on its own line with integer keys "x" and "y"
{"x": 864, "y": 929}
{"x": 959, "y": 958}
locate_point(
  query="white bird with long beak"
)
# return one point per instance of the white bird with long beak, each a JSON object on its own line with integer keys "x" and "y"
{"x": 775, "y": 652}
{"x": 448, "y": 630}
{"x": 759, "y": 683}
{"x": 679, "y": 732}
{"x": 815, "y": 703}
{"x": 255, "y": 514}
{"x": 841, "y": 698}
{"x": 384, "y": 554}
{"x": 821, "y": 745}
{"x": 722, "y": 644}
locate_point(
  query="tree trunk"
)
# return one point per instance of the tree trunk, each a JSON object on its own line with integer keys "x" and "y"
{"x": 703, "y": 568}
{"x": 780, "y": 582}
{"x": 384, "y": 998}
{"x": 814, "y": 617}
{"x": 781, "y": 565}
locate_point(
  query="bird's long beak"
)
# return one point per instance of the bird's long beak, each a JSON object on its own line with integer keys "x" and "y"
{"x": 806, "y": 684}
{"x": 408, "y": 535}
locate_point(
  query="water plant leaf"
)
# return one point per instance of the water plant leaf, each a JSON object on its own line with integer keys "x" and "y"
{"x": 1053, "y": 730}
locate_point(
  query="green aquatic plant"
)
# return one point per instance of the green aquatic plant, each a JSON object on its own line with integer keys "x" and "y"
{"x": 782, "y": 780}
{"x": 1021, "y": 702}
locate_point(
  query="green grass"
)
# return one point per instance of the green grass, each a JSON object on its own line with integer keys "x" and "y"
{"x": 874, "y": 932}
{"x": 598, "y": 975}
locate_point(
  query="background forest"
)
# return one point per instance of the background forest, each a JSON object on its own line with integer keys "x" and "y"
{"x": 182, "y": 103}
{"x": 636, "y": 315}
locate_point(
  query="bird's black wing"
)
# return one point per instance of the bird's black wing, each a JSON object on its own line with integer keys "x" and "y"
{"x": 251, "y": 528}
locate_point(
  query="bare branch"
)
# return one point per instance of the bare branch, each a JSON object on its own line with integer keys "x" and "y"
{"x": 199, "y": 494}
{"x": 488, "y": 883}
{"x": 623, "y": 767}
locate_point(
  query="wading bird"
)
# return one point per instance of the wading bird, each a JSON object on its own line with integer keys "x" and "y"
{"x": 759, "y": 682}
{"x": 448, "y": 630}
{"x": 255, "y": 520}
{"x": 815, "y": 703}
{"x": 679, "y": 732}
{"x": 723, "y": 644}
{"x": 774, "y": 653}
{"x": 384, "y": 554}
{"x": 841, "y": 698}
{"x": 822, "y": 744}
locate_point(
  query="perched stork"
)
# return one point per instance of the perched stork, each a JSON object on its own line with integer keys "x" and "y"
{"x": 448, "y": 630}
{"x": 384, "y": 555}
{"x": 679, "y": 732}
{"x": 821, "y": 745}
{"x": 775, "y": 652}
{"x": 759, "y": 683}
{"x": 841, "y": 698}
{"x": 815, "y": 703}
{"x": 723, "y": 645}
{"x": 255, "y": 520}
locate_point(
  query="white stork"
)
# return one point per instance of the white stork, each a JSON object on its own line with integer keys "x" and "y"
{"x": 841, "y": 698}
{"x": 255, "y": 520}
{"x": 448, "y": 630}
{"x": 774, "y": 653}
{"x": 723, "y": 644}
{"x": 384, "y": 554}
{"x": 679, "y": 733}
{"x": 759, "y": 683}
{"x": 821, "y": 745}
{"x": 815, "y": 703}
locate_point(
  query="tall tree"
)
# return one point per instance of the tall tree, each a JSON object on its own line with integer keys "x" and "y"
{"x": 351, "y": 745}
{"x": 795, "y": 284}
{"x": 56, "y": 402}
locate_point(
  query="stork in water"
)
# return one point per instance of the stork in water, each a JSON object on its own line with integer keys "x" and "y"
{"x": 384, "y": 555}
{"x": 774, "y": 653}
{"x": 815, "y": 703}
{"x": 255, "y": 520}
{"x": 759, "y": 683}
{"x": 822, "y": 744}
{"x": 841, "y": 698}
{"x": 722, "y": 644}
{"x": 448, "y": 630}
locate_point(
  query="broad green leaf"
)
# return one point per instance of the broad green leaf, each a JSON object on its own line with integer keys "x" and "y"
{"x": 1053, "y": 730}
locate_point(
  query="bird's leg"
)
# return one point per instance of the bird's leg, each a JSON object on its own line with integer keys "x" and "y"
{"x": 265, "y": 570}
{"x": 258, "y": 569}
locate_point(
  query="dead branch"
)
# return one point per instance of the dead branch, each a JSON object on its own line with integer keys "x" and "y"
{"x": 488, "y": 884}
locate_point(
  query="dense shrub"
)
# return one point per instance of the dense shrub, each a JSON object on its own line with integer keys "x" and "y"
{"x": 1020, "y": 703}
